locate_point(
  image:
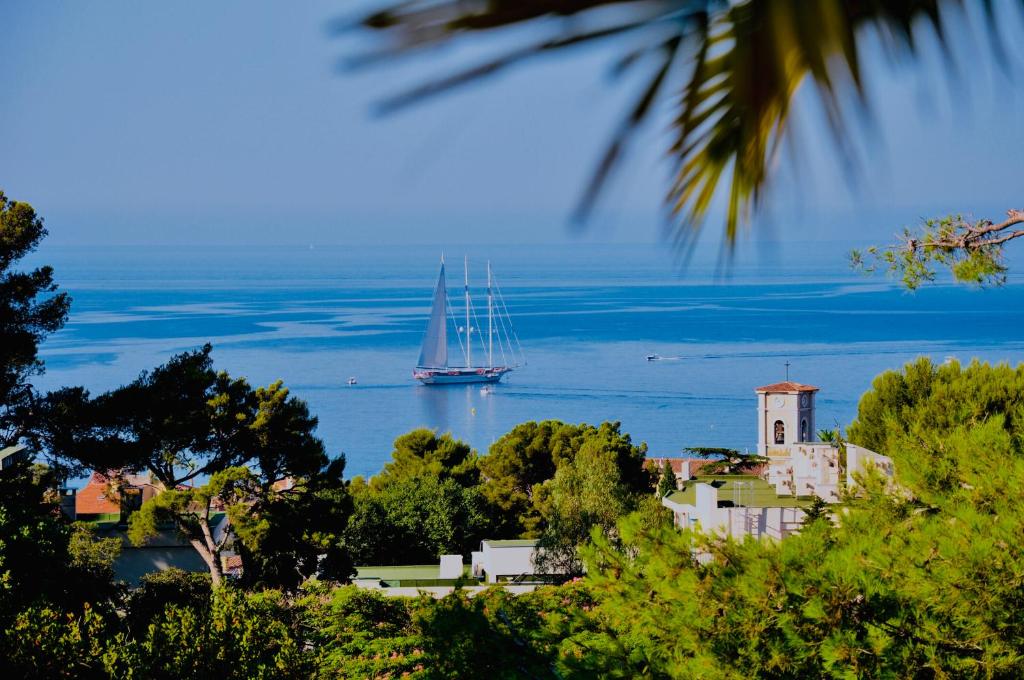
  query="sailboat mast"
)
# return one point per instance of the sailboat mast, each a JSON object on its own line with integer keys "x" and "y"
{"x": 490, "y": 320}
{"x": 469, "y": 330}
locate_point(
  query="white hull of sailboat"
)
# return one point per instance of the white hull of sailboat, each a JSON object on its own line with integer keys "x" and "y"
{"x": 460, "y": 376}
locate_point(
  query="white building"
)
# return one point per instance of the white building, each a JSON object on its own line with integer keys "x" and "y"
{"x": 806, "y": 470}
{"x": 509, "y": 563}
{"x": 798, "y": 470}
{"x": 797, "y": 464}
{"x": 737, "y": 506}
{"x": 785, "y": 415}
{"x": 508, "y": 560}
{"x": 858, "y": 459}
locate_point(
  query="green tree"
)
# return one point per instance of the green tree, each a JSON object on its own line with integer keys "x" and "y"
{"x": 917, "y": 583}
{"x": 237, "y": 635}
{"x": 724, "y": 461}
{"x": 93, "y": 555}
{"x": 362, "y": 634}
{"x": 520, "y": 462}
{"x": 667, "y": 481}
{"x": 287, "y": 536}
{"x": 415, "y": 520}
{"x": 256, "y": 449}
{"x": 30, "y": 309}
{"x": 45, "y": 643}
{"x": 422, "y": 453}
{"x": 586, "y": 497}
{"x": 159, "y": 590}
{"x": 365, "y": 634}
{"x": 972, "y": 250}
{"x": 926, "y": 397}
{"x": 44, "y": 560}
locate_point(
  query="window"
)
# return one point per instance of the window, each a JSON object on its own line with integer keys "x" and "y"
{"x": 780, "y": 432}
{"x": 803, "y": 430}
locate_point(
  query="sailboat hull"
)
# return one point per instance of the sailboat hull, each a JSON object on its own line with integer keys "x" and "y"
{"x": 460, "y": 376}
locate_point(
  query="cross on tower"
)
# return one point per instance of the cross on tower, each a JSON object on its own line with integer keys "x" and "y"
{"x": 787, "y": 370}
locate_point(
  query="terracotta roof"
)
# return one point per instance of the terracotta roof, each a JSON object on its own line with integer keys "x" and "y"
{"x": 95, "y": 497}
{"x": 283, "y": 484}
{"x": 98, "y": 498}
{"x": 786, "y": 386}
{"x": 693, "y": 465}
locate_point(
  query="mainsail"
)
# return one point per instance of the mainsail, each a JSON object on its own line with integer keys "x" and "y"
{"x": 434, "y": 352}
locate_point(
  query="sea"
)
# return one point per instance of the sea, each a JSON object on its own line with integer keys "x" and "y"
{"x": 587, "y": 316}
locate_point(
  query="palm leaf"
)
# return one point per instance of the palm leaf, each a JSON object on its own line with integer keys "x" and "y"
{"x": 746, "y": 61}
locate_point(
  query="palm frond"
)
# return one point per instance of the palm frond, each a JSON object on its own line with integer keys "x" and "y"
{"x": 746, "y": 61}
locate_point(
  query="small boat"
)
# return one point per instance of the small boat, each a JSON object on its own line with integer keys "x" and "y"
{"x": 653, "y": 357}
{"x": 486, "y": 389}
{"x": 352, "y": 381}
{"x": 433, "y": 367}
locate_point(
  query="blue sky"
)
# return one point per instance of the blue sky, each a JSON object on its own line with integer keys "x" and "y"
{"x": 228, "y": 122}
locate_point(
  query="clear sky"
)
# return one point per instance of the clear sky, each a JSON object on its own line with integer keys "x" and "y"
{"x": 228, "y": 122}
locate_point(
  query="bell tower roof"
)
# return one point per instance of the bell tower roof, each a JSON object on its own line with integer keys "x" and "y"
{"x": 788, "y": 386}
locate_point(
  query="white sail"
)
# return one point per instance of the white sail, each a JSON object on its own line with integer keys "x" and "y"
{"x": 434, "y": 351}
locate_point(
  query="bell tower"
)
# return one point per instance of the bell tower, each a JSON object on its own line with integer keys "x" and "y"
{"x": 785, "y": 415}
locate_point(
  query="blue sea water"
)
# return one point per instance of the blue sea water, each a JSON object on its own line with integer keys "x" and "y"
{"x": 586, "y": 314}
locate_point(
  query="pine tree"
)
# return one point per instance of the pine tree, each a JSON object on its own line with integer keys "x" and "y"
{"x": 667, "y": 483}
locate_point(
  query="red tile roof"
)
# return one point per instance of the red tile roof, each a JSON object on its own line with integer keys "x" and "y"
{"x": 98, "y": 497}
{"x": 95, "y": 498}
{"x": 696, "y": 466}
{"x": 693, "y": 465}
{"x": 786, "y": 386}
{"x": 233, "y": 564}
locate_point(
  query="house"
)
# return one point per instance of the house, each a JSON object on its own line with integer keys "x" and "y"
{"x": 771, "y": 502}
{"x": 859, "y": 459}
{"x": 231, "y": 565}
{"x": 412, "y": 580}
{"x": 798, "y": 465}
{"x": 112, "y": 497}
{"x": 736, "y": 505}
{"x": 162, "y": 552}
{"x": 809, "y": 469}
{"x": 108, "y": 499}
{"x": 14, "y": 455}
{"x": 505, "y": 562}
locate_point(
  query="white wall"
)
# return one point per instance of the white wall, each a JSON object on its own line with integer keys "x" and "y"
{"x": 770, "y": 522}
{"x": 451, "y": 566}
{"x": 503, "y": 561}
{"x": 806, "y": 470}
{"x": 858, "y": 459}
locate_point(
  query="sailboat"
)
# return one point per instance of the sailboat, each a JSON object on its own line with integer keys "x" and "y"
{"x": 433, "y": 367}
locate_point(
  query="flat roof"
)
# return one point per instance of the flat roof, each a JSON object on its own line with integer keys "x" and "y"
{"x": 512, "y": 543}
{"x": 401, "y": 572}
{"x": 409, "y": 574}
{"x": 754, "y": 493}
